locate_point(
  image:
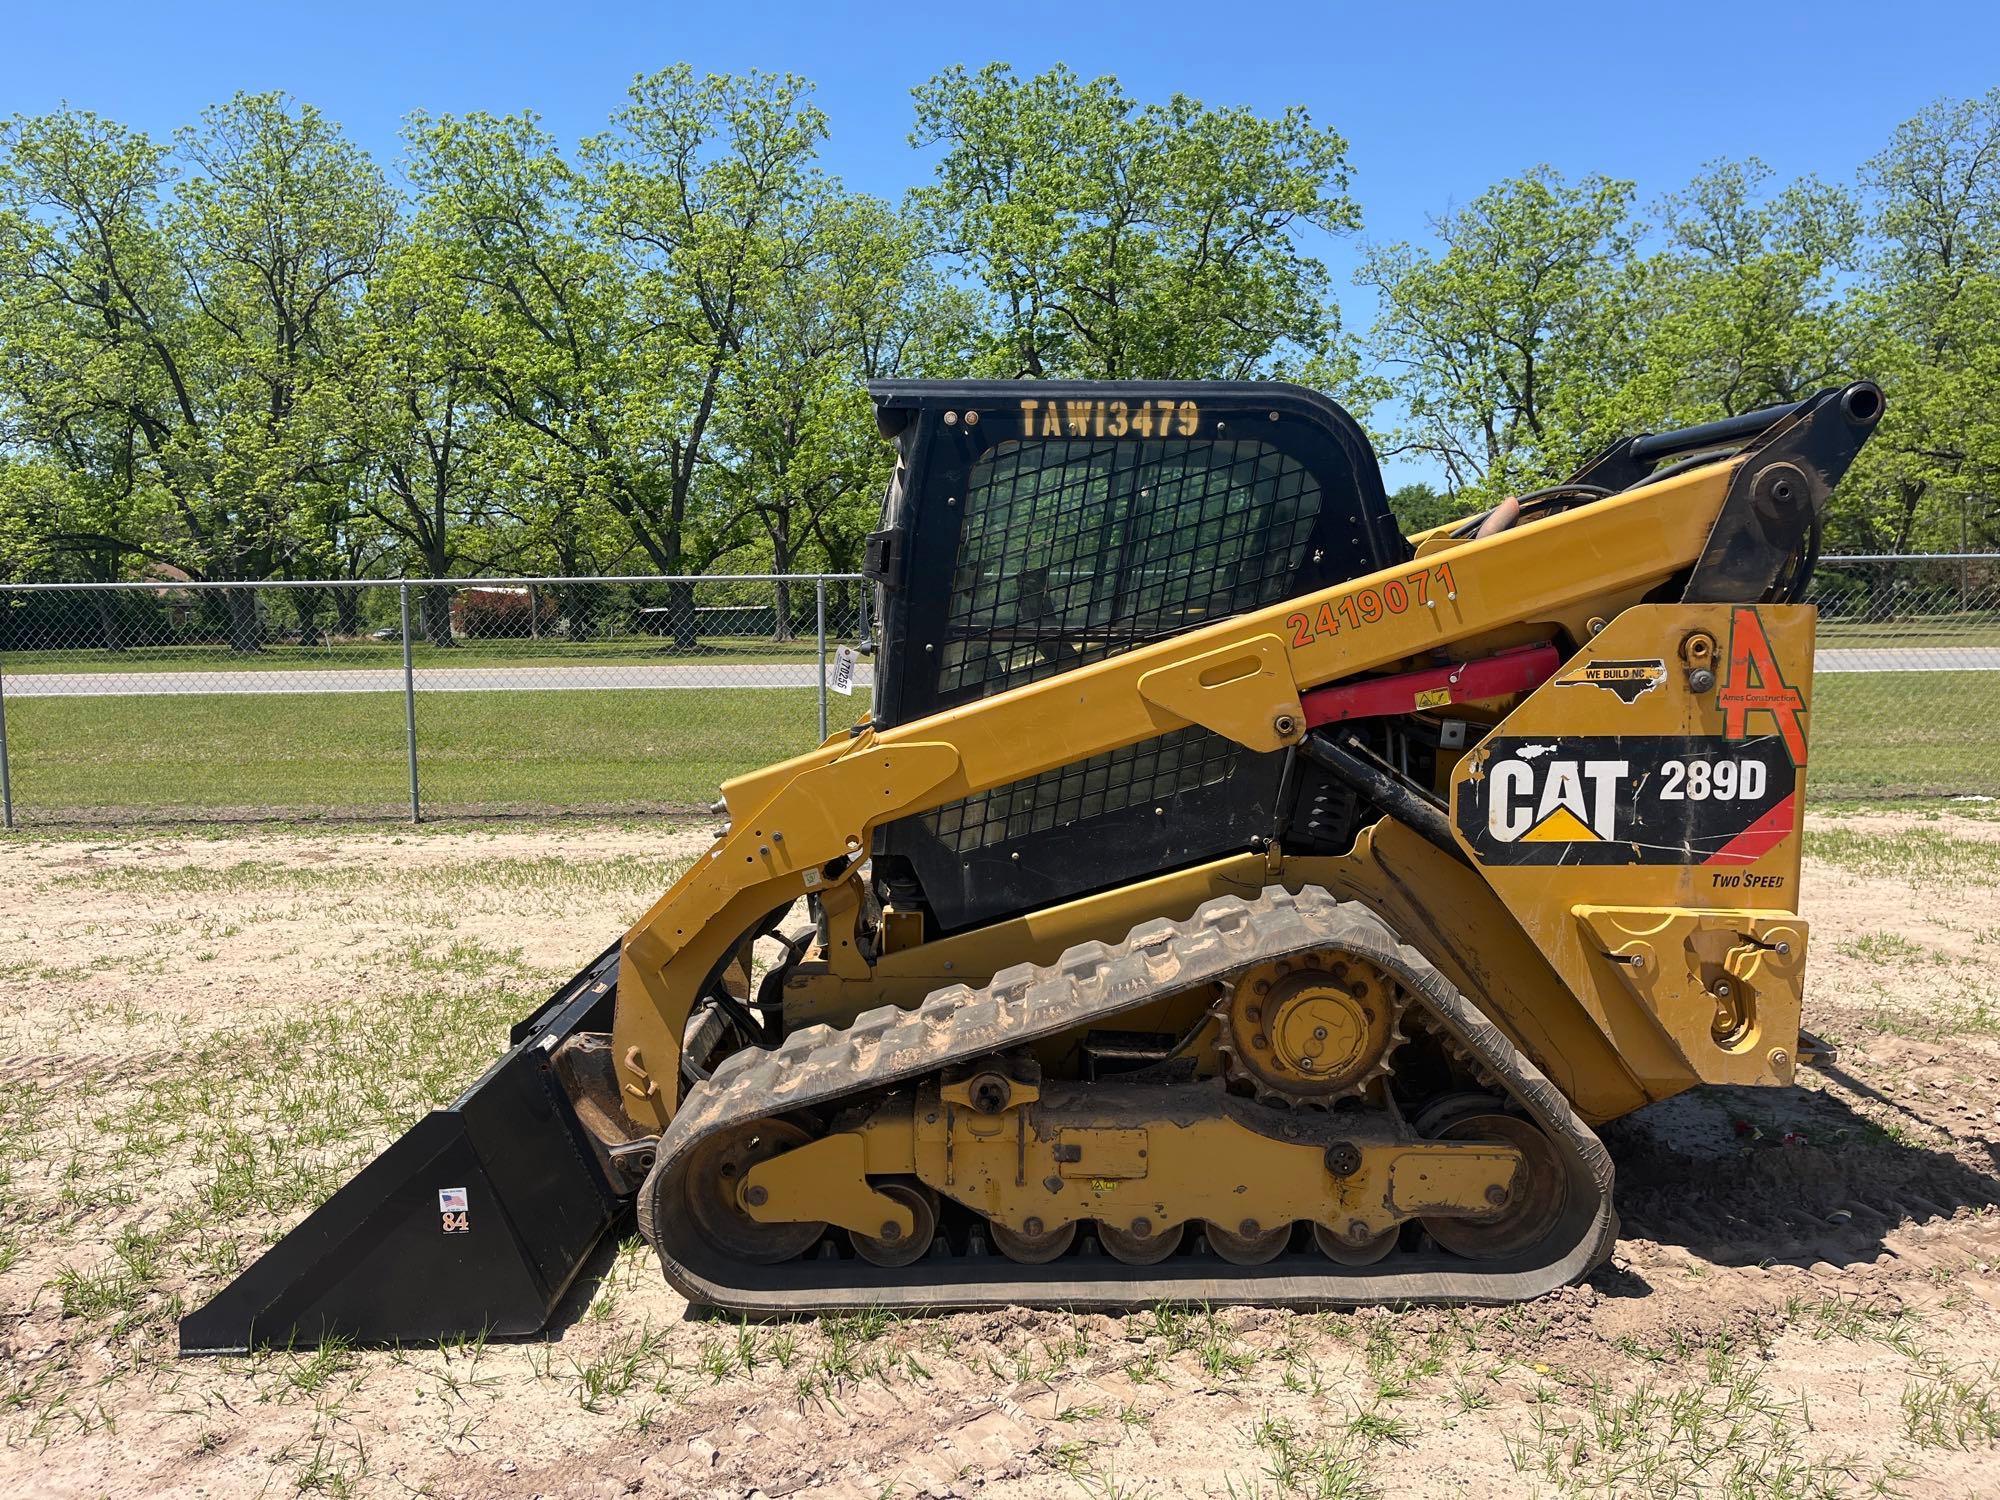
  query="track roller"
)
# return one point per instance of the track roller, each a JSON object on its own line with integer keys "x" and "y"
{"x": 1033, "y": 1247}
{"x": 1141, "y": 1244}
{"x": 890, "y": 1248}
{"x": 1248, "y": 1244}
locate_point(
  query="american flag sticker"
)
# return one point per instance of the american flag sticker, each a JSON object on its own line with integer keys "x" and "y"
{"x": 451, "y": 1200}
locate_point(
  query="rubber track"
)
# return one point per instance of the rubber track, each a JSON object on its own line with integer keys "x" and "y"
{"x": 1093, "y": 982}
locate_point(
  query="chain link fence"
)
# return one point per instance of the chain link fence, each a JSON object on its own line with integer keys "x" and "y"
{"x": 193, "y": 701}
{"x": 175, "y": 701}
{"x": 1906, "y": 678}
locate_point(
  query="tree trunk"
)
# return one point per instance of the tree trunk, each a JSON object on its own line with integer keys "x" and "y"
{"x": 781, "y": 564}
{"x": 110, "y": 628}
{"x": 306, "y": 608}
{"x": 246, "y": 626}
{"x": 437, "y": 617}
{"x": 347, "y": 612}
{"x": 680, "y": 614}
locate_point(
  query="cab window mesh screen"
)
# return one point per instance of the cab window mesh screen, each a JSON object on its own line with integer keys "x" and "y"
{"x": 1146, "y": 772}
{"x": 1072, "y": 551}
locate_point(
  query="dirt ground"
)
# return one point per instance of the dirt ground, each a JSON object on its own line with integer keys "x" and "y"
{"x": 201, "y": 1036}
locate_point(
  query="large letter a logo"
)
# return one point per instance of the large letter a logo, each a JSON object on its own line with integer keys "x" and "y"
{"x": 1755, "y": 685}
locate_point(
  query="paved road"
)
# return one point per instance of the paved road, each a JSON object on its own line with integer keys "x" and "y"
{"x": 1907, "y": 659}
{"x": 429, "y": 679}
{"x": 638, "y": 676}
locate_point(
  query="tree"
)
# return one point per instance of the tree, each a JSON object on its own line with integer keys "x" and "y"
{"x": 1504, "y": 345}
{"x": 707, "y": 188}
{"x": 93, "y": 317}
{"x": 1743, "y": 305}
{"x": 801, "y": 452}
{"x": 1419, "y": 507}
{"x": 1114, "y": 240}
{"x": 1930, "y": 310}
{"x": 196, "y": 343}
{"x": 608, "y": 303}
{"x": 431, "y": 433}
{"x": 548, "y": 327}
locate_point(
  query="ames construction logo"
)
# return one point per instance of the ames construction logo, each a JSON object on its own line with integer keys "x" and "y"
{"x": 1629, "y": 680}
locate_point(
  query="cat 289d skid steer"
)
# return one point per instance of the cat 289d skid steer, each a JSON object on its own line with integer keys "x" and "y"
{"x": 1226, "y": 898}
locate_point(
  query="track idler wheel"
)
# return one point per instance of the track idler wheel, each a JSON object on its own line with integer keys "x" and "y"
{"x": 890, "y": 1248}
{"x": 1140, "y": 1245}
{"x": 1533, "y": 1204}
{"x": 1032, "y": 1247}
{"x": 716, "y": 1170}
{"x": 1346, "y": 1251}
{"x": 1247, "y": 1244}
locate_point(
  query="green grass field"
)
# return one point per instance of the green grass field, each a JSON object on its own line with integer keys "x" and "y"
{"x": 645, "y": 650}
{"x": 99, "y": 759}
{"x": 1926, "y": 632}
{"x": 1905, "y": 734}
{"x": 1876, "y": 735}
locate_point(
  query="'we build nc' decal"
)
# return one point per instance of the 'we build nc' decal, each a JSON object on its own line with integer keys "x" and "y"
{"x": 1629, "y": 799}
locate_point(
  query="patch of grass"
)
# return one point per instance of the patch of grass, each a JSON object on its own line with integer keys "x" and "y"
{"x": 1181, "y": 1329}
{"x": 1721, "y": 1431}
{"x": 1848, "y": 1318}
{"x": 1946, "y": 1406}
{"x": 1886, "y": 947}
{"x": 1326, "y": 1463}
{"x": 638, "y": 1360}
{"x": 1904, "y": 734}
{"x": 1934, "y": 858}
{"x": 1975, "y": 627}
{"x": 95, "y": 1294}
{"x": 334, "y": 753}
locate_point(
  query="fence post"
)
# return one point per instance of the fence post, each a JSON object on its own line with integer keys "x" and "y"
{"x": 410, "y": 707}
{"x": 6, "y": 777}
{"x": 819, "y": 599}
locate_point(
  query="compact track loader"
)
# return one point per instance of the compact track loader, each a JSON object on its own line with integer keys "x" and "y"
{"x": 1227, "y": 898}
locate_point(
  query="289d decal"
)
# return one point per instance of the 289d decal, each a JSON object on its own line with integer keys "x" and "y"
{"x": 1628, "y": 799}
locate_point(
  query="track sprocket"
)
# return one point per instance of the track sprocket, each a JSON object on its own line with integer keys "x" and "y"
{"x": 1310, "y": 1029}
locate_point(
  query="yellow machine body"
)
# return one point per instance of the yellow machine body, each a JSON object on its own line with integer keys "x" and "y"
{"x": 1244, "y": 679}
{"x": 1529, "y": 861}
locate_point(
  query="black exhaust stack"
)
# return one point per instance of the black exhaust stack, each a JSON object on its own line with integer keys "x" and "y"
{"x": 474, "y": 1223}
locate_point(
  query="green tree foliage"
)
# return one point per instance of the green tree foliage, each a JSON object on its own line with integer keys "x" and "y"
{"x": 1418, "y": 506}
{"x": 188, "y": 356}
{"x": 1741, "y": 307}
{"x": 241, "y": 352}
{"x": 801, "y": 458}
{"x": 1929, "y": 330}
{"x": 1115, "y": 240}
{"x": 430, "y": 432}
{"x": 1506, "y": 342}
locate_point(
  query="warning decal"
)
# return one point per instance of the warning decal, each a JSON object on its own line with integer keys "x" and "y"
{"x": 1629, "y": 799}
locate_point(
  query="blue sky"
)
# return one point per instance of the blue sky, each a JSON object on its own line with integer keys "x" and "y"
{"x": 1437, "y": 101}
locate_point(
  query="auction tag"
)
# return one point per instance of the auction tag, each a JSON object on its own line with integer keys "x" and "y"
{"x": 842, "y": 679}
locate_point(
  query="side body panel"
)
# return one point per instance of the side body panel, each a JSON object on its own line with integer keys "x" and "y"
{"x": 1639, "y": 815}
